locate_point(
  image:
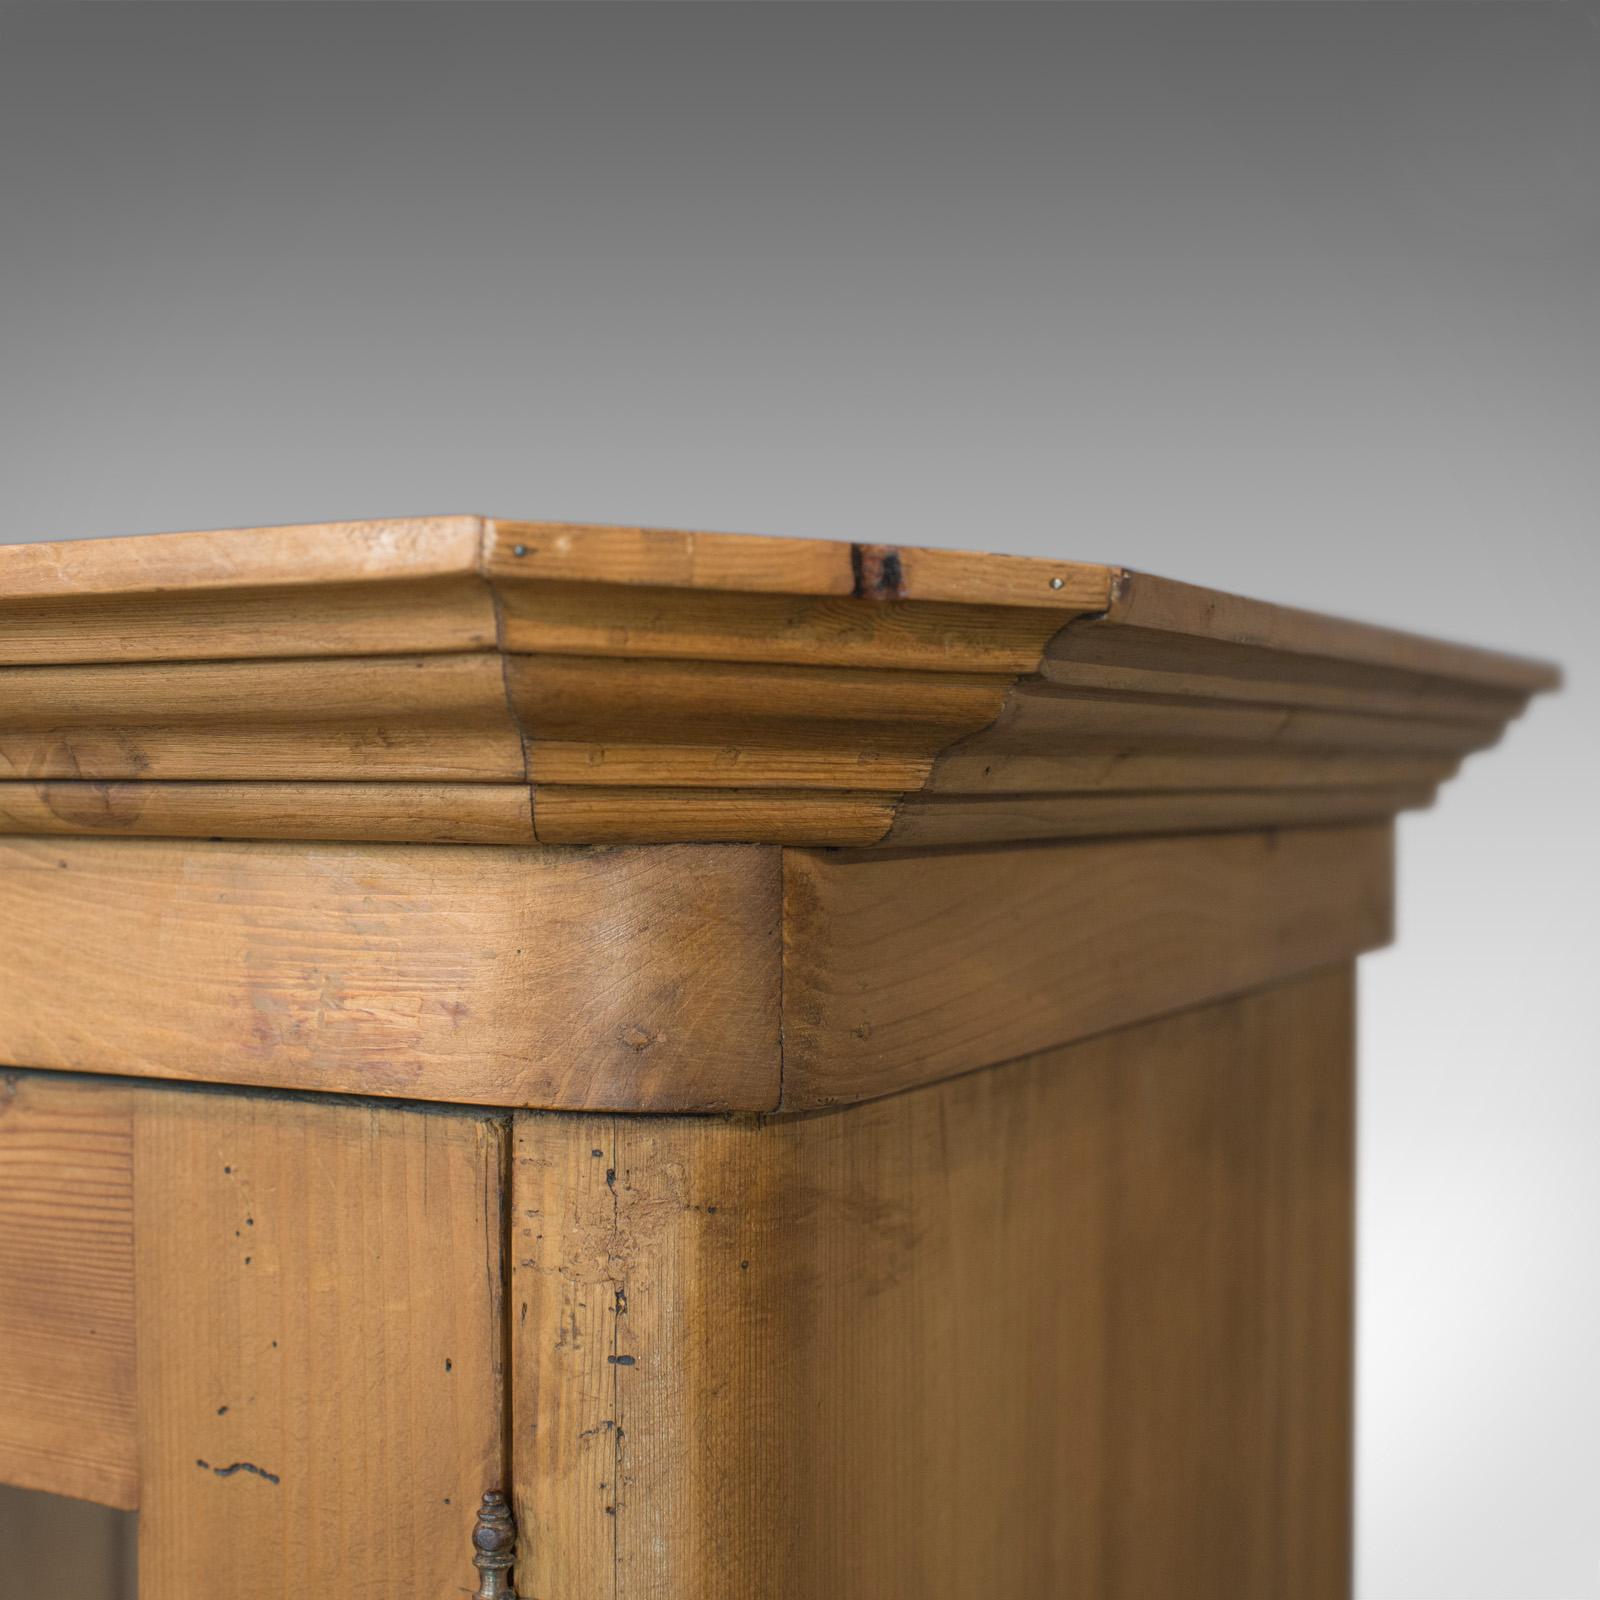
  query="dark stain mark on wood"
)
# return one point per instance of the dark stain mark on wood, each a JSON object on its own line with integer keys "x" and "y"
{"x": 621, "y": 1361}
{"x": 237, "y": 1467}
{"x": 879, "y": 572}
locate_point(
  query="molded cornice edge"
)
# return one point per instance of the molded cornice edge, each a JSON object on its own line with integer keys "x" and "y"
{"x": 425, "y": 679}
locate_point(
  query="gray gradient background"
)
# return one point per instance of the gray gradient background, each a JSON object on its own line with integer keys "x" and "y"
{"x": 1299, "y": 300}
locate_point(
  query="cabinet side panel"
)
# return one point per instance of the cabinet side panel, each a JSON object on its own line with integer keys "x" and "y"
{"x": 1078, "y": 1327}
{"x": 321, "y": 1313}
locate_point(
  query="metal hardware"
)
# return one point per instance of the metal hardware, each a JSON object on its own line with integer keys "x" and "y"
{"x": 494, "y": 1549}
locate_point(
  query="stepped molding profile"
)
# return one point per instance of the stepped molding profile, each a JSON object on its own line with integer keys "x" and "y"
{"x": 462, "y": 679}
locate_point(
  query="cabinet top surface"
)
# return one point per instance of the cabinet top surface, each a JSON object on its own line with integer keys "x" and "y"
{"x": 398, "y": 550}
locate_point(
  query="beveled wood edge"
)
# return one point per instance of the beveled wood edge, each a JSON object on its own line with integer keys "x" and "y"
{"x": 610, "y": 610}
{"x": 412, "y": 548}
{"x": 290, "y": 555}
{"x": 1167, "y": 605}
{"x": 399, "y": 549}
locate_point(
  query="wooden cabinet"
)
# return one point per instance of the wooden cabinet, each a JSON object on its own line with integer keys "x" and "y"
{"x": 812, "y": 1070}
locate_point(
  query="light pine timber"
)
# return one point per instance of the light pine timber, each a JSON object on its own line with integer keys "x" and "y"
{"x": 692, "y": 978}
{"x": 442, "y": 718}
{"x": 634, "y": 979}
{"x": 902, "y": 969}
{"x": 375, "y": 813}
{"x": 322, "y": 589}
{"x": 320, "y": 1353}
{"x": 640, "y": 685}
{"x": 1042, "y": 819}
{"x": 1166, "y": 612}
{"x": 672, "y": 558}
{"x": 711, "y": 625}
{"x": 1079, "y": 1326}
{"x": 67, "y": 1421}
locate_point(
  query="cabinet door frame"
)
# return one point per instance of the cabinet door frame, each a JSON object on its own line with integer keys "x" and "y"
{"x": 276, "y": 1328}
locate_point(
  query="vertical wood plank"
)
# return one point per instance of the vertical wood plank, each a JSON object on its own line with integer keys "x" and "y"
{"x": 66, "y": 1288}
{"x": 568, "y": 1283}
{"x": 321, "y": 1314}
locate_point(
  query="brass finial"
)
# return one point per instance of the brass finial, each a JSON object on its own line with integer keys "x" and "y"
{"x": 494, "y": 1549}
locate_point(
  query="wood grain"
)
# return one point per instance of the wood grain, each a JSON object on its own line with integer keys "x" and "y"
{"x": 320, "y": 1345}
{"x": 672, "y": 558}
{"x": 715, "y": 724}
{"x": 579, "y": 814}
{"x": 630, "y": 979}
{"x": 67, "y": 1420}
{"x": 1176, "y": 611}
{"x": 562, "y": 618}
{"x": 392, "y": 549}
{"x": 352, "y": 588}
{"x": 1076, "y": 1327}
{"x": 651, "y": 685}
{"x": 959, "y": 819}
{"x": 899, "y": 970}
{"x": 354, "y": 718}
{"x": 394, "y": 813}
{"x": 646, "y": 979}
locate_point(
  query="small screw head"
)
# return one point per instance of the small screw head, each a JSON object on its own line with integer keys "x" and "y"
{"x": 519, "y": 549}
{"x": 1058, "y": 583}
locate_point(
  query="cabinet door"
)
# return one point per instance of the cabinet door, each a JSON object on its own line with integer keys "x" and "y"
{"x": 319, "y": 1344}
{"x": 68, "y": 1423}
